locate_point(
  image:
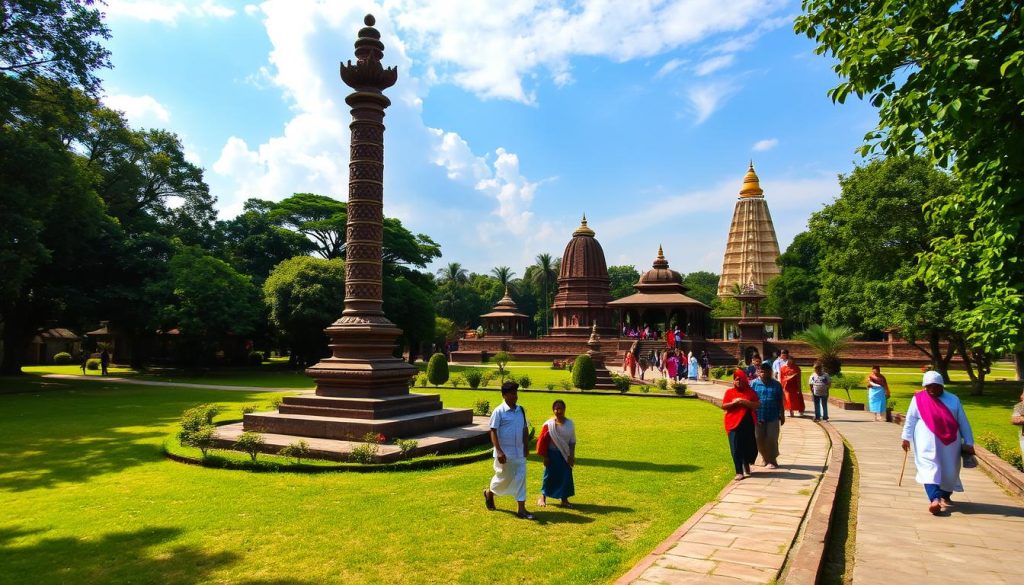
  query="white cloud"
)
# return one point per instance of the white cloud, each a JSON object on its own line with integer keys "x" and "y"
{"x": 489, "y": 48}
{"x": 766, "y": 144}
{"x": 705, "y": 99}
{"x": 141, "y": 110}
{"x": 165, "y": 12}
{"x": 669, "y": 67}
{"x": 252, "y": 9}
{"x": 714, "y": 64}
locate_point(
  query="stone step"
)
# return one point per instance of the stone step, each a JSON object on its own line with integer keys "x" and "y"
{"x": 363, "y": 408}
{"x": 349, "y": 428}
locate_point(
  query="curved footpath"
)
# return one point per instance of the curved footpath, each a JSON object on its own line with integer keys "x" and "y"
{"x": 898, "y": 541}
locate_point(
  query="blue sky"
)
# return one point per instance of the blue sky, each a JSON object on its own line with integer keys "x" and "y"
{"x": 510, "y": 118}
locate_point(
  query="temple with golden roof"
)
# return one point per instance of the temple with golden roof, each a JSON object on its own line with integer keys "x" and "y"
{"x": 752, "y": 249}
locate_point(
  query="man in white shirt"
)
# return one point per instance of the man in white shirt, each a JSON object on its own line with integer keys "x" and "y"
{"x": 510, "y": 436}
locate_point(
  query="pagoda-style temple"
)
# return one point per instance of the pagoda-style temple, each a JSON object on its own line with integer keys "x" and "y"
{"x": 583, "y": 288}
{"x": 660, "y": 299}
{"x": 505, "y": 320}
{"x": 752, "y": 248}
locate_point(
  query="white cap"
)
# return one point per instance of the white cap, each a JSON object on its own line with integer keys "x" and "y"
{"x": 933, "y": 377}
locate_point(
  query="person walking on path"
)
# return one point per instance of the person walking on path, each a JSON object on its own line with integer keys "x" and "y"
{"x": 770, "y": 416}
{"x": 557, "y": 445}
{"x": 1018, "y": 419}
{"x": 939, "y": 433}
{"x": 705, "y": 366}
{"x": 104, "y": 361}
{"x": 878, "y": 392}
{"x": 751, "y": 370}
{"x": 692, "y": 369}
{"x": 510, "y": 435}
{"x": 820, "y": 383}
{"x": 740, "y": 404}
{"x": 629, "y": 364}
{"x": 85, "y": 361}
{"x": 789, "y": 377}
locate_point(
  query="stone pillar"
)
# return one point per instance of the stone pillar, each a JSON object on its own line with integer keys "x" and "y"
{"x": 363, "y": 339}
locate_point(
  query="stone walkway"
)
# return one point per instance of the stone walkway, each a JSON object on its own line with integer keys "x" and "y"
{"x": 898, "y": 541}
{"x": 117, "y": 380}
{"x": 744, "y": 536}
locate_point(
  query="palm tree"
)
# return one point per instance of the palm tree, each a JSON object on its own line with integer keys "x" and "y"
{"x": 455, "y": 276}
{"x": 547, "y": 271}
{"x": 827, "y": 342}
{"x": 504, "y": 275}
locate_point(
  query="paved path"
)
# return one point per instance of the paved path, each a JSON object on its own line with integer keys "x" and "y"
{"x": 116, "y": 380}
{"x": 744, "y": 536}
{"x": 898, "y": 541}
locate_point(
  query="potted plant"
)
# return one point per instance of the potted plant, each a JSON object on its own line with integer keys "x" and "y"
{"x": 890, "y": 405}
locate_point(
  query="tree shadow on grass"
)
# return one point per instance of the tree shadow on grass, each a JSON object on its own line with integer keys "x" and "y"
{"x": 50, "y": 462}
{"x": 638, "y": 465}
{"x": 118, "y": 557}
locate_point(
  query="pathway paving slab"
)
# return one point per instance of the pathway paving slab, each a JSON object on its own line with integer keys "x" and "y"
{"x": 745, "y": 536}
{"x": 898, "y": 541}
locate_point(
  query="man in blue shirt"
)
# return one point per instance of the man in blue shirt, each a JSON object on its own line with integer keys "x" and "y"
{"x": 770, "y": 415}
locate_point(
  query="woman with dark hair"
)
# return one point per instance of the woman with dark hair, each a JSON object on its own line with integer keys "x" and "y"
{"x": 557, "y": 445}
{"x": 740, "y": 404}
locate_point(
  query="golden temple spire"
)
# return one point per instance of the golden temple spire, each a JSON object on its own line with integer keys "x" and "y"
{"x": 751, "y": 184}
{"x": 583, "y": 230}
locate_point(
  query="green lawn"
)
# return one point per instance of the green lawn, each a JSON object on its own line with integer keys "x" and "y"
{"x": 88, "y": 498}
{"x": 989, "y": 412}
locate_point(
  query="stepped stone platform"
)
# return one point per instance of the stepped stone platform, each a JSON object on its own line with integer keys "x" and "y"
{"x": 447, "y": 440}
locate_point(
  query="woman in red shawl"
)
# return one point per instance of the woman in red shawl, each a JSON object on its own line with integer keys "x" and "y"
{"x": 792, "y": 391}
{"x": 740, "y": 405}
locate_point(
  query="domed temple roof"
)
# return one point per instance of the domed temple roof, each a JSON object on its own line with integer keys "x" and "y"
{"x": 583, "y": 287}
{"x": 659, "y": 286}
{"x": 660, "y": 273}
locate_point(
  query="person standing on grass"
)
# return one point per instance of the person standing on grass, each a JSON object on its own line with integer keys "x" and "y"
{"x": 820, "y": 383}
{"x": 104, "y": 361}
{"x": 740, "y": 404}
{"x": 939, "y": 433}
{"x": 557, "y": 445}
{"x": 510, "y": 436}
{"x": 1018, "y": 419}
{"x": 878, "y": 392}
{"x": 85, "y": 361}
{"x": 770, "y": 415}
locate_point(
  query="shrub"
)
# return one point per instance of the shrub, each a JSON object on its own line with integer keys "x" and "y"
{"x": 661, "y": 383}
{"x": 827, "y": 343}
{"x": 201, "y": 439}
{"x": 993, "y": 443}
{"x": 256, "y": 358}
{"x": 421, "y": 380}
{"x": 250, "y": 443}
{"x": 482, "y": 407}
{"x": 565, "y": 384}
{"x": 569, "y": 365}
{"x": 92, "y": 364}
{"x": 62, "y": 359}
{"x": 645, "y": 388}
{"x": 276, "y": 402}
{"x": 584, "y": 376}
{"x": 407, "y": 446}
{"x": 197, "y": 417}
{"x": 551, "y": 386}
{"x": 457, "y": 381}
{"x": 524, "y": 381}
{"x": 486, "y": 377}
{"x": 679, "y": 388}
{"x": 248, "y": 408}
{"x": 622, "y": 383}
{"x": 501, "y": 359}
{"x": 299, "y": 450}
{"x": 846, "y": 383}
{"x": 366, "y": 452}
{"x": 437, "y": 369}
{"x": 473, "y": 376}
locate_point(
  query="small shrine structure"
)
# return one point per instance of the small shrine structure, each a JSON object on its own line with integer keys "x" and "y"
{"x": 660, "y": 299}
{"x": 583, "y": 288}
{"x": 505, "y": 320}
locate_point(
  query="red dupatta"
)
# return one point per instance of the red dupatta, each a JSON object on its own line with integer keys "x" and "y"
{"x": 734, "y": 416}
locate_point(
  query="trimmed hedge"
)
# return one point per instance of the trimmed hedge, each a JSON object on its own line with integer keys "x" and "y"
{"x": 437, "y": 369}
{"x": 584, "y": 374}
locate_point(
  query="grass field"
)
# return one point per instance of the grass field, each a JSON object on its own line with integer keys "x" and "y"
{"x": 87, "y": 498}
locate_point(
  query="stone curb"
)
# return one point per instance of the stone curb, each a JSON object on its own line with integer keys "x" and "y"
{"x": 1000, "y": 471}
{"x": 805, "y": 559}
{"x": 672, "y": 539}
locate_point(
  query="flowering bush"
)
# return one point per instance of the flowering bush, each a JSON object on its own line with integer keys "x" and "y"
{"x": 557, "y": 364}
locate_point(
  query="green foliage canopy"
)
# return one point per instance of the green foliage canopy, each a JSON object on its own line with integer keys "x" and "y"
{"x": 304, "y": 295}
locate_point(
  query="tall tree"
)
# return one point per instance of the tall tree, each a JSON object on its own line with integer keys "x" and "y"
{"x": 318, "y": 217}
{"x": 793, "y": 294}
{"x": 621, "y": 280}
{"x": 504, "y": 274}
{"x": 305, "y": 295}
{"x": 254, "y": 244}
{"x": 947, "y": 77}
{"x": 703, "y": 286}
{"x": 545, "y": 275}
{"x": 452, "y": 279}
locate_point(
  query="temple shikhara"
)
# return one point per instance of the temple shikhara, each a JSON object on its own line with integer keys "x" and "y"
{"x": 752, "y": 249}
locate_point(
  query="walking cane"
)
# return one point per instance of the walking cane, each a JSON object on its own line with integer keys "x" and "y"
{"x": 903, "y": 468}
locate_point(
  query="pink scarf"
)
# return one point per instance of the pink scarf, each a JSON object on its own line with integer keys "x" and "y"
{"x": 937, "y": 417}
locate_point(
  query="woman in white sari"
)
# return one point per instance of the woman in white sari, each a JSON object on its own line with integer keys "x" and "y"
{"x": 557, "y": 445}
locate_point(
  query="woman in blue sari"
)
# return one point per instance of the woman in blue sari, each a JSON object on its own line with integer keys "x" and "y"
{"x": 557, "y": 445}
{"x": 878, "y": 392}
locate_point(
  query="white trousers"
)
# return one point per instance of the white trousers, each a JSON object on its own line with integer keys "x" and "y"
{"x": 510, "y": 479}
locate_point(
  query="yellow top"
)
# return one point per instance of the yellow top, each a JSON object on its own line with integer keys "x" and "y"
{"x": 751, "y": 184}
{"x": 583, "y": 230}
